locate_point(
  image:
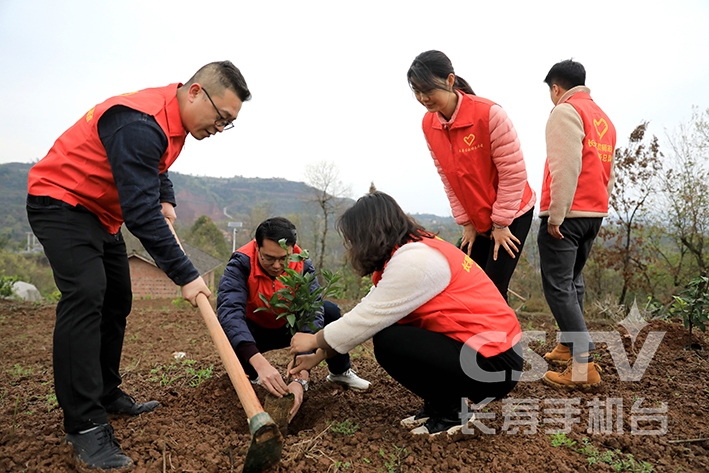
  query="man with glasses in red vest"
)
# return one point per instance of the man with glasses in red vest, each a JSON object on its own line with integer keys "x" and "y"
{"x": 254, "y": 270}
{"x": 578, "y": 179}
{"x": 110, "y": 167}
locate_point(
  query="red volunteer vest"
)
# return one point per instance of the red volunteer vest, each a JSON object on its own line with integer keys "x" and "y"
{"x": 76, "y": 169}
{"x": 470, "y": 306}
{"x": 261, "y": 282}
{"x": 465, "y": 155}
{"x": 596, "y": 160}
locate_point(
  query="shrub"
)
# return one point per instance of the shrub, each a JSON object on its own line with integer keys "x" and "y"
{"x": 296, "y": 301}
{"x": 692, "y": 304}
{"x": 6, "y": 283}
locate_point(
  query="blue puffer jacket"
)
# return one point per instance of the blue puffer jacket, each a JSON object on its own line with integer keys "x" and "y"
{"x": 234, "y": 300}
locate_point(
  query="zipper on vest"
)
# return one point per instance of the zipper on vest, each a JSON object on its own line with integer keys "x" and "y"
{"x": 448, "y": 134}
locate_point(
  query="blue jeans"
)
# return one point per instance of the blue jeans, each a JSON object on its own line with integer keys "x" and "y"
{"x": 562, "y": 262}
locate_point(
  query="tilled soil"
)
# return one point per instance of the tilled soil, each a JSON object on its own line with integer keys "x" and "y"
{"x": 662, "y": 424}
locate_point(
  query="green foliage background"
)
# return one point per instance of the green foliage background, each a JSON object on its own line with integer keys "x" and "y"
{"x": 205, "y": 235}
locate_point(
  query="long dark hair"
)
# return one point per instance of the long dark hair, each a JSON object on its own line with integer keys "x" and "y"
{"x": 430, "y": 70}
{"x": 372, "y": 228}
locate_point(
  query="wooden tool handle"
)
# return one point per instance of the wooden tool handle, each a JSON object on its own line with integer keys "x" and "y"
{"x": 242, "y": 385}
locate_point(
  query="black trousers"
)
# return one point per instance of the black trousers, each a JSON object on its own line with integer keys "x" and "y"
{"x": 429, "y": 365}
{"x": 91, "y": 270}
{"x": 273, "y": 339}
{"x": 500, "y": 271}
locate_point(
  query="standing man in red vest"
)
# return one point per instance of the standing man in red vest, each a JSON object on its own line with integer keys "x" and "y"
{"x": 578, "y": 178}
{"x": 109, "y": 168}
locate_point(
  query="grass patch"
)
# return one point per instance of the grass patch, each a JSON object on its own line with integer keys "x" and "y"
{"x": 51, "y": 401}
{"x": 616, "y": 459}
{"x": 18, "y": 371}
{"x": 561, "y": 440}
{"x": 346, "y": 427}
{"x": 392, "y": 461}
{"x": 184, "y": 371}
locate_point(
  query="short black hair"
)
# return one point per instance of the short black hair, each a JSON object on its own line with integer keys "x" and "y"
{"x": 566, "y": 74}
{"x": 274, "y": 229}
{"x": 222, "y": 75}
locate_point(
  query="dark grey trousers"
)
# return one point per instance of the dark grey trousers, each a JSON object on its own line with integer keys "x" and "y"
{"x": 562, "y": 262}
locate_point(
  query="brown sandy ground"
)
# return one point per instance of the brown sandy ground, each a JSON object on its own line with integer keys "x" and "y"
{"x": 201, "y": 426}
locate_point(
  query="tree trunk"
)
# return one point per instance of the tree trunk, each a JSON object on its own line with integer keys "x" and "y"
{"x": 321, "y": 258}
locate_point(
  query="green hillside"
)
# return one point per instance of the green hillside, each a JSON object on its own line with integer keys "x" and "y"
{"x": 223, "y": 200}
{"x": 13, "y": 191}
{"x": 196, "y": 196}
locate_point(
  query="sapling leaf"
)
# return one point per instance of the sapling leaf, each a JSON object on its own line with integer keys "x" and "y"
{"x": 298, "y": 301}
{"x": 264, "y": 300}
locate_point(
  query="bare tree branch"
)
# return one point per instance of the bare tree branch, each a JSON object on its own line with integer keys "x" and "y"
{"x": 328, "y": 192}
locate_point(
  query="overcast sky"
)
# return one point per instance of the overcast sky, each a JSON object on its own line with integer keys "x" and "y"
{"x": 329, "y": 78}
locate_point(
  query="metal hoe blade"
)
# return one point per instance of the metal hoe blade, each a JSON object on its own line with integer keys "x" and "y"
{"x": 266, "y": 444}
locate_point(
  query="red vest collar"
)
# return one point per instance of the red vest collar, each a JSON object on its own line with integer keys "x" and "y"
{"x": 465, "y": 102}
{"x": 174, "y": 120}
{"x": 251, "y": 250}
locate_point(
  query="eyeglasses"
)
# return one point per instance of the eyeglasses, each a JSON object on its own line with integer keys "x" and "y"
{"x": 271, "y": 259}
{"x": 222, "y": 123}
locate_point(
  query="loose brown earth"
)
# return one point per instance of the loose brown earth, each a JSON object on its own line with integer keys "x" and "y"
{"x": 201, "y": 427}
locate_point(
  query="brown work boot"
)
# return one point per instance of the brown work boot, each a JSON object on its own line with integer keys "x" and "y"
{"x": 591, "y": 379}
{"x": 559, "y": 355}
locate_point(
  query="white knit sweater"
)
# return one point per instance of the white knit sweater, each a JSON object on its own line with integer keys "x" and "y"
{"x": 413, "y": 276}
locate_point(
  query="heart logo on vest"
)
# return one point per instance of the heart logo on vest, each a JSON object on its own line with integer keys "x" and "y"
{"x": 469, "y": 140}
{"x": 601, "y": 127}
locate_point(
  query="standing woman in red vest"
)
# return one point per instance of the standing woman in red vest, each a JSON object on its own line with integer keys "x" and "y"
{"x": 437, "y": 324}
{"x": 478, "y": 156}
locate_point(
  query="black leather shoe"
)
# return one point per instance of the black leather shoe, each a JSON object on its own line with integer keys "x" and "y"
{"x": 126, "y": 405}
{"x": 98, "y": 449}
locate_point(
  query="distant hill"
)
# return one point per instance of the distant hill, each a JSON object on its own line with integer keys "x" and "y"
{"x": 221, "y": 199}
{"x": 433, "y": 219}
{"x": 234, "y": 198}
{"x": 13, "y": 191}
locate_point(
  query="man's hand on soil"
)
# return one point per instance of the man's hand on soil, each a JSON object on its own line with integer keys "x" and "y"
{"x": 298, "y": 392}
{"x": 271, "y": 380}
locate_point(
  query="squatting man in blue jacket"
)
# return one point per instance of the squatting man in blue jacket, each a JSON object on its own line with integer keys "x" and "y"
{"x": 253, "y": 268}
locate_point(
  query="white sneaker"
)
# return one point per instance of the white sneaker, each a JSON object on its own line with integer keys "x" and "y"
{"x": 350, "y": 380}
{"x": 436, "y": 426}
{"x": 256, "y": 381}
{"x": 416, "y": 420}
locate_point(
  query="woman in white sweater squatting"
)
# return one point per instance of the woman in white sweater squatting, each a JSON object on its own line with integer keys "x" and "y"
{"x": 439, "y": 326}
